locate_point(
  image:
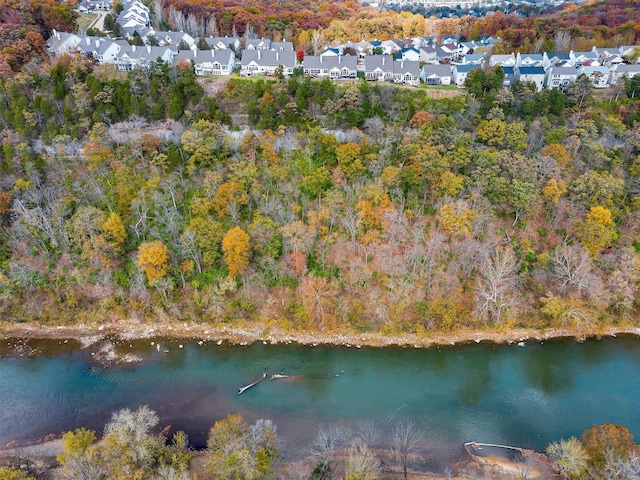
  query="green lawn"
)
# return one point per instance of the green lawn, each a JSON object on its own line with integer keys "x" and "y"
{"x": 85, "y": 20}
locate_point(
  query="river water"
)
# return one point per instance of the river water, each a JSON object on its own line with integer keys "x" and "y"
{"x": 525, "y": 396}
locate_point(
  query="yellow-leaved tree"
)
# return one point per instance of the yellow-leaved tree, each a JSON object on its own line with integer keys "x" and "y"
{"x": 153, "y": 260}
{"x": 115, "y": 232}
{"x": 236, "y": 247}
{"x": 457, "y": 219}
{"x": 598, "y": 230}
{"x": 554, "y": 189}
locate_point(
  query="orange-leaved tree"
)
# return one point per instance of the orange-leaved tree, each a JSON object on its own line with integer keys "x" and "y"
{"x": 236, "y": 247}
{"x": 153, "y": 260}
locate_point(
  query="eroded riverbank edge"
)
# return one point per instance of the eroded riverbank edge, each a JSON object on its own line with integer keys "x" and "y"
{"x": 248, "y": 335}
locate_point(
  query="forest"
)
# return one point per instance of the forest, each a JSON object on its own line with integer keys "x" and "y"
{"x": 312, "y": 206}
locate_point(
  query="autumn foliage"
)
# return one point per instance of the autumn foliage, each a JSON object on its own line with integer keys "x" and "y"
{"x": 237, "y": 250}
{"x": 153, "y": 260}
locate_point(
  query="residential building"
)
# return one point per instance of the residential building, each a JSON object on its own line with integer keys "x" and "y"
{"x": 378, "y": 67}
{"x": 598, "y": 75}
{"x": 334, "y": 67}
{"x": 436, "y": 74}
{"x": 621, "y": 71}
{"x": 266, "y": 62}
{"x": 560, "y": 77}
{"x": 535, "y": 75}
{"x": 406, "y": 72}
{"x": 460, "y": 72}
{"x": 502, "y": 60}
{"x": 209, "y": 62}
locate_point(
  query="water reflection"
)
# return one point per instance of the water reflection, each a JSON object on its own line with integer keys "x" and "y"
{"x": 505, "y": 394}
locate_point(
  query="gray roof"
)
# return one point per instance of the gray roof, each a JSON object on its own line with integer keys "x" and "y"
{"x": 282, "y": 46}
{"x": 269, "y": 58}
{"x": 215, "y": 42}
{"x": 406, "y": 66}
{"x": 201, "y": 56}
{"x": 564, "y": 71}
{"x": 341, "y": 61}
{"x": 628, "y": 69}
{"x": 383, "y": 62}
{"x": 262, "y": 43}
{"x": 438, "y": 70}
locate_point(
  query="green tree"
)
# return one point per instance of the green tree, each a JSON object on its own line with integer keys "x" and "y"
{"x": 238, "y": 451}
{"x": 496, "y": 133}
{"x": 80, "y": 458}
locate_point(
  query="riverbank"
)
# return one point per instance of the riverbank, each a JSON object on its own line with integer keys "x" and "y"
{"x": 44, "y": 455}
{"x": 88, "y": 334}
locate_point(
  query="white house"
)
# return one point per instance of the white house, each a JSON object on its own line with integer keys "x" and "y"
{"x": 258, "y": 44}
{"x": 175, "y": 38}
{"x": 557, "y": 60}
{"x": 330, "y": 52}
{"x": 411, "y": 54}
{"x": 266, "y": 62}
{"x": 343, "y": 66}
{"x": 535, "y": 75}
{"x": 598, "y": 75}
{"x": 209, "y": 62}
{"x": 428, "y": 55}
{"x": 620, "y": 71}
{"x": 529, "y": 60}
{"x": 609, "y": 56}
{"x": 585, "y": 58}
{"x": 460, "y": 72}
{"x": 406, "y": 72}
{"x": 502, "y": 60}
{"x": 378, "y": 67}
{"x": 392, "y": 46}
{"x": 223, "y": 43}
{"x": 62, "y": 42}
{"x": 474, "y": 59}
{"x": 436, "y": 74}
{"x": 560, "y": 77}
{"x": 281, "y": 47}
{"x": 106, "y": 51}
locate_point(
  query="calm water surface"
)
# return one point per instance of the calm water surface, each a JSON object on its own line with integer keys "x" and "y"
{"x": 526, "y": 396}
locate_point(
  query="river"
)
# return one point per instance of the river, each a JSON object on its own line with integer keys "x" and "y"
{"x": 526, "y": 396}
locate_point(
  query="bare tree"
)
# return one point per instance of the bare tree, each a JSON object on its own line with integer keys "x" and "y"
{"x": 369, "y": 433}
{"x": 497, "y": 283}
{"x": 572, "y": 269}
{"x": 537, "y": 46}
{"x": 406, "y": 441}
{"x": 249, "y": 32}
{"x": 317, "y": 41}
{"x": 327, "y": 442}
{"x": 562, "y": 39}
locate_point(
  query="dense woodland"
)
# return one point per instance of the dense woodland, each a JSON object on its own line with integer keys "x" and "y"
{"x": 341, "y": 208}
